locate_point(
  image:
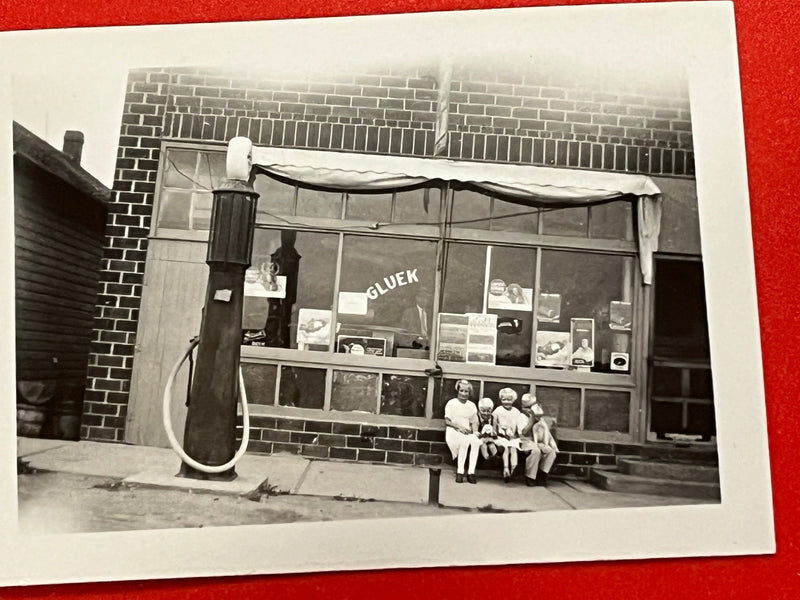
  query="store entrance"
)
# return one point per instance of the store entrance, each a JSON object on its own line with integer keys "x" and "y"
{"x": 680, "y": 385}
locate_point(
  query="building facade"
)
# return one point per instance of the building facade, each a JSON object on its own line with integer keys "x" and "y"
{"x": 365, "y": 304}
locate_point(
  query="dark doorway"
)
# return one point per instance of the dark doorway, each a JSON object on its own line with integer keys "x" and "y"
{"x": 681, "y": 394}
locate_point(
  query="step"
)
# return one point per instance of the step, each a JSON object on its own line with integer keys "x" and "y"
{"x": 679, "y": 453}
{"x": 707, "y": 473}
{"x": 614, "y": 481}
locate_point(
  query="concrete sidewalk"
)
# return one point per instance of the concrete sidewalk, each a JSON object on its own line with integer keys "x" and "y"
{"x": 297, "y": 475}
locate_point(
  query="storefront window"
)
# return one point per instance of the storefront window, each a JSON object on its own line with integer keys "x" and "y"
{"x": 302, "y": 387}
{"x": 474, "y": 210}
{"x": 316, "y": 203}
{"x": 369, "y": 207}
{"x": 422, "y": 205}
{"x": 288, "y": 293}
{"x": 354, "y": 391}
{"x": 259, "y": 383}
{"x": 584, "y": 311}
{"x": 404, "y": 395}
{"x": 274, "y": 197}
{"x": 563, "y": 404}
{"x": 386, "y": 297}
{"x": 607, "y": 411}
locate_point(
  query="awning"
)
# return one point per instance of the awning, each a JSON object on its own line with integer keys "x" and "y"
{"x": 525, "y": 185}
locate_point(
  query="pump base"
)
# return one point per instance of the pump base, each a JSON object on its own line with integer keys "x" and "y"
{"x": 192, "y": 473}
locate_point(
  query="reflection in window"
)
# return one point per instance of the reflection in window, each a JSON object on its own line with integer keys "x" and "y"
{"x": 607, "y": 411}
{"x": 611, "y": 221}
{"x": 404, "y": 395}
{"x": 471, "y": 210}
{"x": 187, "y": 180}
{"x": 585, "y": 297}
{"x": 302, "y": 387}
{"x": 417, "y": 206}
{"x": 259, "y": 382}
{"x": 507, "y": 216}
{"x": 563, "y": 404}
{"x": 375, "y": 208}
{"x": 353, "y": 391}
{"x": 386, "y": 296}
{"x": 566, "y": 221}
{"x": 274, "y": 197}
{"x": 288, "y": 290}
{"x": 315, "y": 203}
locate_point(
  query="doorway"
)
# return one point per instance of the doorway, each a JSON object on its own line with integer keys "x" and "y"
{"x": 680, "y": 384}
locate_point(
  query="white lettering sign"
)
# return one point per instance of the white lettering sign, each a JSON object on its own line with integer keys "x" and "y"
{"x": 399, "y": 279}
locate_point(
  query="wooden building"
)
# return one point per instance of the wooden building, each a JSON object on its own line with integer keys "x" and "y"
{"x": 59, "y": 223}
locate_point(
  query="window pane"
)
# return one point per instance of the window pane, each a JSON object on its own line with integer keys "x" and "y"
{"x": 607, "y": 411}
{"x": 180, "y": 170}
{"x": 201, "y": 211}
{"x": 210, "y": 169}
{"x": 369, "y": 207}
{"x": 445, "y": 389}
{"x": 354, "y": 391}
{"x": 510, "y": 297}
{"x": 259, "y": 382}
{"x": 507, "y": 216}
{"x": 314, "y": 203}
{"x": 563, "y": 404}
{"x": 612, "y": 221}
{"x": 302, "y": 388}
{"x": 464, "y": 278}
{"x": 471, "y": 210}
{"x": 386, "y": 295}
{"x": 580, "y": 285}
{"x": 404, "y": 395}
{"x": 275, "y": 197}
{"x": 491, "y": 389}
{"x": 289, "y": 289}
{"x": 174, "y": 209}
{"x": 565, "y": 221}
{"x": 418, "y": 206}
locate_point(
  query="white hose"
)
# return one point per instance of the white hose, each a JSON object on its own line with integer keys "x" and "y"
{"x": 171, "y": 434}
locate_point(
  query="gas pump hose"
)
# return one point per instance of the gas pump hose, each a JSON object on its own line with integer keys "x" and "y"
{"x": 176, "y": 446}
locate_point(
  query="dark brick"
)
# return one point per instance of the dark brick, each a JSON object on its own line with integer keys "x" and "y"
{"x": 373, "y": 431}
{"x": 259, "y": 447}
{"x": 372, "y": 455}
{"x": 347, "y": 428}
{"x": 430, "y": 435}
{"x": 290, "y": 424}
{"x": 583, "y": 459}
{"x": 326, "y": 439}
{"x": 343, "y": 453}
{"x": 319, "y": 426}
{"x": 402, "y": 433}
{"x": 599, "y": 448}
{"x": 100, "y": 433}
{"x": 571, "y": 446}
{"x": 359, "y": 442}
{"x": 274, "y": 435}
{"x": 401, "y": 458}
{"x": 415, "y": 446}
{"x": 388, "y": 444}
{"x": 258, "y": 422}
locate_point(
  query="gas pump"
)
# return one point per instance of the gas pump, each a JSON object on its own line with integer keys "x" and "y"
{"x": 209, "y": 448}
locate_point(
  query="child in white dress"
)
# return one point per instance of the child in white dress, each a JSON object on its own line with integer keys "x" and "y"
{"x": 505, "y": 419}
{"x": 486, "y": 431}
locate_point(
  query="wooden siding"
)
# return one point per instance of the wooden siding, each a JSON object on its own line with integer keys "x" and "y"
{"x": 59, "y": 237}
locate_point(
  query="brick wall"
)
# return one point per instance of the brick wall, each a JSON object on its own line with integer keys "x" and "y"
{"x": 543, "y": 121}
{"x": 405, "y": 445}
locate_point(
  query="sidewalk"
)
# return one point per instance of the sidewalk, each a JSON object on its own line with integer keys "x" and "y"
{"x": 296, "y": 475}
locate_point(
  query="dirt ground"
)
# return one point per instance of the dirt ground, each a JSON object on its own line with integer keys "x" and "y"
{"x": 67, "y": 503}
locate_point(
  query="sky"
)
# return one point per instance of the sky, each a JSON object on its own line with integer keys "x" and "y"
{"x": 75, "y": 79}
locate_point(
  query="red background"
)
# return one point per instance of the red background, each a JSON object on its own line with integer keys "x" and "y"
{"x": 769, "y": 54}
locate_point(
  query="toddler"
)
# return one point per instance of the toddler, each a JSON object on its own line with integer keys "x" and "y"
{"x": 505, "y": 419}
{"x": 486, "y": 431}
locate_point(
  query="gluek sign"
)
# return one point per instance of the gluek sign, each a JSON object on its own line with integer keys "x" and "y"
{"x": 389, "y": 283}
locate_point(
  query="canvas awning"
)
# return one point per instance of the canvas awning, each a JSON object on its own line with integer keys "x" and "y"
{"x": 525, "y": 185}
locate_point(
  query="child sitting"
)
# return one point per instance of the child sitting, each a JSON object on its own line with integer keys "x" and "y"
{"x": 486, "y": 431}
{"x": 505, "y": 419}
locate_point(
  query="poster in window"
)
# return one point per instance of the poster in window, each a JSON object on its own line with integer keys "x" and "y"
{"x": 374, "y": 346}
{"x": 313, "y": 326}
{"x": 353, "y": 303}
{"x": 549, "y": 309}
{"x": 620, "y": 316}
{"x": 509, "y": 297}
{"x": 482, "y": 339}
{"x": 553, "y": 349}
{"x": 453, "y": 336}
{"x": 582, "y": 338}
{"x": 264, "y": 285}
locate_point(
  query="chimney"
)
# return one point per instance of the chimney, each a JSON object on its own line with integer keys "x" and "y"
{"x": 73, "y": 145}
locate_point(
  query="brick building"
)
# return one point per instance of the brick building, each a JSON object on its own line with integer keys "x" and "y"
{"x": 362, "y": 392}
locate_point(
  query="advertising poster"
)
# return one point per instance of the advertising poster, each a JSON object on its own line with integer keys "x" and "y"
{"x": 353, "y": 303}
{"x": 361, "y": 345}
{"x": 549, "y": 309}
{"x": 620, "y": 316}
{"x": 509, "y": 297}
{"x": 313, "y": 326}
{"x": 482, "y": 339}
{"x": 453, "y": 335}
{"x": 552, "y": 349}
{"x": 582, "y": 338}
{"x": 256, "y": 286}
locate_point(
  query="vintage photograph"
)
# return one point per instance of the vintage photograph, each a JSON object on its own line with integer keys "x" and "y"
{"x": 305, "y": 295}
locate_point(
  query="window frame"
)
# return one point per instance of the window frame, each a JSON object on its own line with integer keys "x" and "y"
{"x": 442, "y": 233}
